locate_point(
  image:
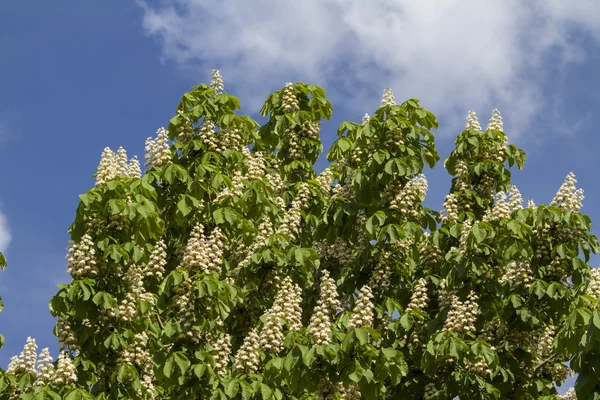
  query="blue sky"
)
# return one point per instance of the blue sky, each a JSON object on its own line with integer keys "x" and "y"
{"x": 80, "y": 76}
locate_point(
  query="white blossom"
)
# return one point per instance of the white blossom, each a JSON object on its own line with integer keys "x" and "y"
{"x": 362, "y": 313}
{"x": 81, "y": 258}
{"x": 387, "y": 98}
{"x": 216, "y": 83}
{"x": 247, "y": 357}
{"x": 289, "y": 101}
{"x": 158, "y": 152}
{"x": 496, "y": 121}
{"x": 472, "y": 121}
{"x": 462, "y": 315}
{"x": 568, "y": 197}
{"x": 327, "y": 305}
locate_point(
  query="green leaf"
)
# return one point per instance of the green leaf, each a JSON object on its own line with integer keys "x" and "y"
{"x": 168, "y": 368}
{"x": 78, "y": 394}
{"x": 199, "y": 369}
{"x": 479, "y": 233}
{"x": 344, "y": 144}
{"x": 357, "y": 372}
{"x": 47, "y": 394}
{"x": 232, "y": 388}
{"x": 265, "y": 391}
{"x": 182, "y": 361}
{"x": 361, "y": 335}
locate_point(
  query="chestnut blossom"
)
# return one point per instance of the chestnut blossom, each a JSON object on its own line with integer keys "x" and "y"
{"x": 568, "y": 197}
{"x": 472, "y": 121}
{"x": 387, "y": 98}
{"x": 462, "y": 315}
{"x": 202, "y": 254}
{"x": 327, "y": 305}
{"x": 222, "y": 350}
{"x": 593, "y": 288}
{"x": 419, "y": 298}
{"x": 81, "y": 258}
{"x": 247, "y": 357}
{"x": 362, "y": 313}
{"x": 216, "y": 83}
{"x": 158, "y": 152}
{"x": 289, "y": 101}
{"x": 496, "y": 121}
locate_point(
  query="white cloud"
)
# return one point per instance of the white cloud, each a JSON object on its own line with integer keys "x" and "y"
{"x": 5, "y": 236}
{"x": 453, "y": 55}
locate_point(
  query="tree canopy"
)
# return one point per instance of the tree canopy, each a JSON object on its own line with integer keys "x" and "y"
{"x": 231, "y": 269}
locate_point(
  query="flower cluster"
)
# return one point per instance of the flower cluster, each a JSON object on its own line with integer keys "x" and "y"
{"x": 66, "y": 334}
{"x": 328, "y": 303}
{"x": 294, "y": 137}
{"x": 45, "y": 372}
{"x": 128, "y": 306}
{"x": 394, "y": 139}
{"x": 450, "y": 211}
{"x": 339, "y": 250}
{"x": 185, "y": 131}
{"x": 81, "y": 258}
{"x": 419, "y": 298}
{"x": 480, "y": 367}
{"x": 380, "y": 279}
{"x": 325, "y": 180}
{"x": 184, "y": 307}
{"x": 45, "y": 368}
{"x": 568, "y": 197}
{"x": 472, "y": 122}
{"x": 544, "y": 341}
{"x": 292, "y": 218}
{"x": 286, "y": 307}
{"x": 349, "y": 392}
{"x": 139, "y": 356}
{"x": 570, "y": 395}
{"x": 201, "y": 254}
{"x": 25, "y": 362}
{"x": 208, "y": 134}
{"x": 158, "y": 152}
{"x": 496, "y": 121}
{"x": 431, "y": 254}
{"x": 362, "y": 313}
{"x": 345, "y": 189}
{"x": 465, "y": 230}
{"x": 405, "y": 200}
{"x": 504, "y": 205}
{"x": 222, "y": 350}
{"x": 113, "y": 165}
{"x": 216, "y": 83}
{"x": 462, "y": 315}
{"x": 278, "y": 184}
{"x": 519, "y": 273}
{"x": 155, "y": 267}
{"x": 289, "y": 101}
{"x": 232, "y": 138}
{"x": 247, "y": 358}
{"x": 430, "y": 390}
{"x": 256, "y": 165}
{"x": 65, "y": 373}
{"x": 593, "y": 288}
{"x": 388, "y": 98}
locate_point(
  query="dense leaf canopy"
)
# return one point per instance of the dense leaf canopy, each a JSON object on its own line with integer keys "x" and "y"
{"x": 230, "y": 269}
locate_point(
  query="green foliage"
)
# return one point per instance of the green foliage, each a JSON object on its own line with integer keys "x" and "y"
{"x": 207, "y": 276}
